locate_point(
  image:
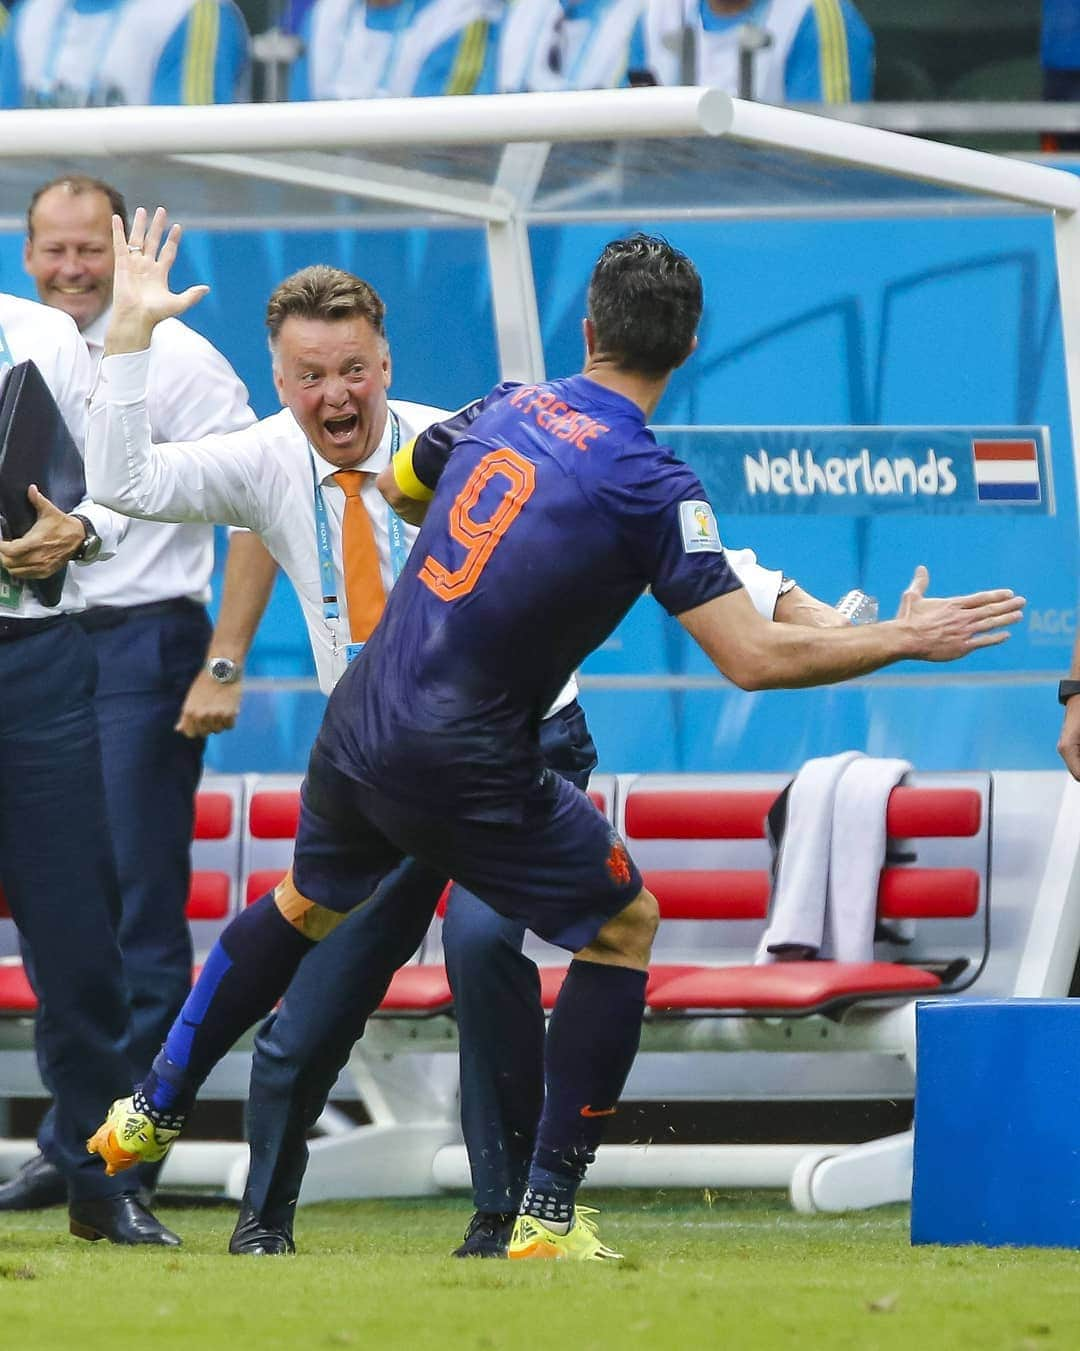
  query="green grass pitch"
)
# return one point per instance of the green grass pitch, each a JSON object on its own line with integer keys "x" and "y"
{"x": 729, "y": 1270}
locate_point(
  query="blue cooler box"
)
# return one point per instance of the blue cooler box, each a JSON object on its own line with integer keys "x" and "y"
{"x": 997, "y": 1123}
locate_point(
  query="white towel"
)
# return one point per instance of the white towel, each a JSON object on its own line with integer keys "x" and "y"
{"x": 828, "y": 866}
{"x": 858, "y": 856}
{"x": 801, "y": 877}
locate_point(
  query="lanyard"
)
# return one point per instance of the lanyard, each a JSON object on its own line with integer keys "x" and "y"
{"x": 6, "y": 359}
{"x": 57, "y": 46}
{"x": 399, "y": 548}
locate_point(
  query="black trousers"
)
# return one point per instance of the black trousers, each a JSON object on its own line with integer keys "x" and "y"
{"x": 301, "y": 1048}
{"x": 57, "y": 869}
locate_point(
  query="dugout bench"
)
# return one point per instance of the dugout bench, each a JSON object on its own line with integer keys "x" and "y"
{"x": 981, "y": 904}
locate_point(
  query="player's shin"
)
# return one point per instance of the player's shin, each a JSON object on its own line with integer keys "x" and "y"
{"x": 592, "y": 1039}
{"x": 243, "y": 977}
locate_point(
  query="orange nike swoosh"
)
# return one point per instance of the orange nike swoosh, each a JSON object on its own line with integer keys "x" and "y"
{"x": 603, "y": 1111}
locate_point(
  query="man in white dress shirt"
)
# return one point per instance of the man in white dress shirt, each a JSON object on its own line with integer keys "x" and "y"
{"x": 332, "y": 369}
{"x": 147, "y": 622}
{"x": 56, "y": 866}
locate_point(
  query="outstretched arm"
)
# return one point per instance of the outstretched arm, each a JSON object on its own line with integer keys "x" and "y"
{"x": 757, "y": 655}
{"x": 1069, "y": 738}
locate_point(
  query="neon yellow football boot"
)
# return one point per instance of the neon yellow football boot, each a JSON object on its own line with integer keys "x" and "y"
{"x": 581, "y": 1242}
{"x": 127, "y": 1136}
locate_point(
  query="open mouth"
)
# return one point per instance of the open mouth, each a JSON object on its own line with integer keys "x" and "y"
{"x": 75, "y": 290}
{"x": 341, "y": 428}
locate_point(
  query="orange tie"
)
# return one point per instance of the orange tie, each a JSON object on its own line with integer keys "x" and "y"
{"x": 364, "y": 592}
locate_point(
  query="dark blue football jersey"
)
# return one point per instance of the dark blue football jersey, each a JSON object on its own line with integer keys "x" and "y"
{"x": 554, "y": 509}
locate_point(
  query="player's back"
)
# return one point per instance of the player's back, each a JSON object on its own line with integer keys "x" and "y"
{"x": 541, "y": 535}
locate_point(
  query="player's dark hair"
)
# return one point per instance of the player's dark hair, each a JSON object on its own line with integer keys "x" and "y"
{"x": 76, "y": 185}
{"x": 644, "y": 302}
{"x": 322, "y": 292}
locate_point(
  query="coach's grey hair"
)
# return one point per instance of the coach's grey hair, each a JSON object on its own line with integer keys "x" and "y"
{"x": 322, "y": 292}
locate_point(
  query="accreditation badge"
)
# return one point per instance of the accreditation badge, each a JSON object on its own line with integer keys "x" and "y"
{"x": 10, "y": 591}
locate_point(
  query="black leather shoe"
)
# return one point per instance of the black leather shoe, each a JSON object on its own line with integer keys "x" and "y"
{"x": 488, "y": 1234}
{"x": 36, "y": 1185}
{"x": 120, "y": 1219}
{"x": 253, "y": 1238}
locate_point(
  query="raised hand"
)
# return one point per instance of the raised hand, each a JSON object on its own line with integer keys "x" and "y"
{"x": 141, "y": 294}
{"x": 948, "y": 627}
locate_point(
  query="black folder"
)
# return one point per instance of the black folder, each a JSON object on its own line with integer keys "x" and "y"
{"x": 35, "y": 447}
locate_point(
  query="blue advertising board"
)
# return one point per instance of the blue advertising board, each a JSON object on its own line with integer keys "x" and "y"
{"x": 869, "y": 329}
{"x": 867, "y": 471}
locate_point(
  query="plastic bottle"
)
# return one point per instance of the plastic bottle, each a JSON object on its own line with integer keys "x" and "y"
{"x": 858, "y": 608}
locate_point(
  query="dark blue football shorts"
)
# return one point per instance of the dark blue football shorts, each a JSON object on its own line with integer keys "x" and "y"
{"x": 562, "y": 870}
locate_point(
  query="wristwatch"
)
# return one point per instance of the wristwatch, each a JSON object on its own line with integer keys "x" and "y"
{"x": 1066, "y": 690}
{"x": 224, "y": 670}
{"x": 89, "y": 549}
{"x": 786, "y": 584}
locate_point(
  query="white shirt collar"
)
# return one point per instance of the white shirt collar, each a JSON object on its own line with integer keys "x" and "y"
{"x": 376, "y": 461}
{"x": 94, "y": 334}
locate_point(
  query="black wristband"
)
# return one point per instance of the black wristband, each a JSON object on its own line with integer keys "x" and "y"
{"x": 1066, "y": 690}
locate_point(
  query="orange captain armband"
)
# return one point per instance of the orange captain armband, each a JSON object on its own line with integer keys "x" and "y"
{"x": 405, "y": 475}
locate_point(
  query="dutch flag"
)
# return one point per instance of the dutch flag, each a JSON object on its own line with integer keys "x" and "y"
{"x": 1006, "y": 471}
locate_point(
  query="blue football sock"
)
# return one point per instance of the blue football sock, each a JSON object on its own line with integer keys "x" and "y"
{"x": 244, "y": 976}
{"x": 592, "y": 1039}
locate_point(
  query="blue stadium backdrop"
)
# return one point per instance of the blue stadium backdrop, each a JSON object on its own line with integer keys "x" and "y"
{"x": 918, "y": 322}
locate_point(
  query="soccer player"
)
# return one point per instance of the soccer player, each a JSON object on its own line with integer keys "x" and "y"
{"x": 554, "y": 510}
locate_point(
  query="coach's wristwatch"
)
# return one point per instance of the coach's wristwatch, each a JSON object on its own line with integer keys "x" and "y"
{"x": 1066, "y": 690}
{"x": 224, "y": 670}
{"x": 89, "y": 549}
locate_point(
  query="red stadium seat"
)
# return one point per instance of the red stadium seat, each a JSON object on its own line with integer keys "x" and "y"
{"x": 209, "y": 895}
{"x": 418, "y": 990}
{"x": 787, "y": 987}
{"x": 16, "y": 996}
{"x": 701, "y": 894}
{"x": 274, "y": 814}
{"x": 552, "y": 977}
{"x": 214, "y": 815}
{"x": 701, "y": 846}
{"x": 696, "y": 815}
{"x": 740, "y": 815}
{"x": 213, "y": 887}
